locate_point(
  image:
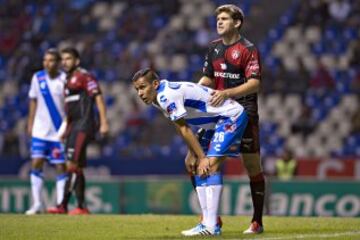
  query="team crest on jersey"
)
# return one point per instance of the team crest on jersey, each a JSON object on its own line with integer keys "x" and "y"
{"x": 73, "y": 80}
{"x": 171, "y": 108}
{"x": 42, "y": 85}
{"x": 230, "y": 128}
{"x": 223, "y": 66}
{"x": 235, "y": 54}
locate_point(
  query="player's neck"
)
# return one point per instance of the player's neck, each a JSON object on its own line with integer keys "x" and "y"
{"x": 231, "y": 38}
{"x": 53, "y": 74}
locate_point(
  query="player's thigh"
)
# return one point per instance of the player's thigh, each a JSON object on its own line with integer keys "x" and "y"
{"x": 215, "y": 163}
{"x": 250, "y": 142}
{"x": 252, "y": 163}
{"x": 56, "y": 153}
{"x": 37, "y": 163}
{"x": 75, "y": 148}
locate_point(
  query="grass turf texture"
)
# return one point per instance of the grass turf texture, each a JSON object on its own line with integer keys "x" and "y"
{"x": 16, "y": 226}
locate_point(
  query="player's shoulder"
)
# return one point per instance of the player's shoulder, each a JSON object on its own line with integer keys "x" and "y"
{"x": 215, "y": 43}
{"x": 246, "y": 44}
{"x": 82, "y": 74}
{"x": 40, "y": 74}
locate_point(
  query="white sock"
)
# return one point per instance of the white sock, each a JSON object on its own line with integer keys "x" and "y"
{"x": 201, "y": 192}
{"x": 60, "y": 187}
{"x": 213, "y": 195}
{"x": 37, "y": 183}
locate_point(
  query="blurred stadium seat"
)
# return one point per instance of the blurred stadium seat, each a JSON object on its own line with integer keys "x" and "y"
{"x": 117, "y": 38}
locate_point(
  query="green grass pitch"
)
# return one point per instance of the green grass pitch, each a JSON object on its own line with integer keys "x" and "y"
{"x": 16, "y": 226}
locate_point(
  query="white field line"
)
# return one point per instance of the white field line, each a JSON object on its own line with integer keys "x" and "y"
{"x": 307, "y": 236}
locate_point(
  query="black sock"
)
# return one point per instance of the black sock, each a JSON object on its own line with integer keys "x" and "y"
{"x": 257, "y": 186}
{"x": 80, "y": 190}
{"x": 69, "y": 187}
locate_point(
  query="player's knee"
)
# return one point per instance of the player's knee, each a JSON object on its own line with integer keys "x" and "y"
{"x": 37, "y": 163}
{"x": 252, "y": 164}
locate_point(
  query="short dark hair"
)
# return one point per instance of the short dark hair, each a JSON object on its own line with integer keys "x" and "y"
{"x": 70, "y": 50}
{"x": 234, "y": 11}
{"x": 54, "y": 52}
{"x": 148, "y": 73}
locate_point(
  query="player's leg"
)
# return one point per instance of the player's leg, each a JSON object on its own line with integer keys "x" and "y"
{"x": 250, "y": 149}
{"x": 78, "y": 162}
{"x": 57, "y": 157}
{"x": 204, "y": 137}
{"x": 38, "y": 155}
{"x": 37, "y": 182}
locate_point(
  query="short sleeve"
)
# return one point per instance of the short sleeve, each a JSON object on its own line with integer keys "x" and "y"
{"x": 173, "y": 105}
{"x": 33, "y": 92}
{"x": 252, "y": 64}
{"x": 208, "y": 69}
{"x": 91, "y": 86}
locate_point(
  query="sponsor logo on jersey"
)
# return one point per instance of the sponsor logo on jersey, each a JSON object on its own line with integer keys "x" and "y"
{"x": 171, "y": 108}
{"x": 163, "y": 99}
{"x": 227, "y": 75}
{"x": 216, "y": 50}
{"x": 73, "y": 80}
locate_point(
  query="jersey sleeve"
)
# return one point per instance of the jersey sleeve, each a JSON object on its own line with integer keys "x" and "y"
{"x": 252, "y": 64}
{"x": 172, "y": 105}
{"x": 33, "y": 92}
{"x": 208, "y": 69}
{"x": 91, "y": 85}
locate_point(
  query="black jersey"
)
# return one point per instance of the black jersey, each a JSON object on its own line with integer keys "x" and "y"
{"x": 80, "y": 91}
{"x": 232, "y": 65}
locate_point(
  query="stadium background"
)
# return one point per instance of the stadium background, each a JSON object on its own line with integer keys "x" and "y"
{"x": 309, "y": 100}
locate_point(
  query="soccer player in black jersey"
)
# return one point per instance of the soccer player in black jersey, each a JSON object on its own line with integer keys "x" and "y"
{"x": 82, "y": 92}
{"x": 232, "y": 67}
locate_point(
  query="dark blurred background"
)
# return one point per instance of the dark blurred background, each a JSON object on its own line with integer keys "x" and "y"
{"x": 309, "y": 102}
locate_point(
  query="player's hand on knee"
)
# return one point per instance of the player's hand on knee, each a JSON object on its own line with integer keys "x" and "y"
{"x": 204, "y": 166}
{"x": 191, "y": 163}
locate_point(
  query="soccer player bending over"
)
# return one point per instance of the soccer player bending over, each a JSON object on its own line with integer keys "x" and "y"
{"x": 46, "y": 113}
{"x": 186, "y": 103}
{"x": 82, "y": 93}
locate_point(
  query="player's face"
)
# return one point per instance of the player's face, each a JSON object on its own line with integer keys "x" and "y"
{"x": 146, "y": 90}
{"x": 69, "y": 62}
{"x": 225, "y": 24}
{"x": 50, "y": 63}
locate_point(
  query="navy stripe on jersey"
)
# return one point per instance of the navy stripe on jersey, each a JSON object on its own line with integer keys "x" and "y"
{"x": 45, "y": 91}
{"x": 200, "y": 105}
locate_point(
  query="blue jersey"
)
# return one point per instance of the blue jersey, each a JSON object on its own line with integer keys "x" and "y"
{"x": 191, "y": 101}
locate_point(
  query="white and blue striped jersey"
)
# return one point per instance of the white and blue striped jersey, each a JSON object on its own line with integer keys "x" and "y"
{"x": 49, "y": 94}
{"x": 191, "y": 101}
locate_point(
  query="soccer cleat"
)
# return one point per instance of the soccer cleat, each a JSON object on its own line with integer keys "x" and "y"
{"x": 201, "y": 230}
{"x": 79, "y": 211}
{"x": 34, "y": 210}
{"x": 254, "y": 228}
{"x": 57, "y": 210}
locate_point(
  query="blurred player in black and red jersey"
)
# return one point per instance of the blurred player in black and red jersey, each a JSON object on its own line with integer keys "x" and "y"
{"x": 82, "y": 92}
{"x": 232, "y": 67}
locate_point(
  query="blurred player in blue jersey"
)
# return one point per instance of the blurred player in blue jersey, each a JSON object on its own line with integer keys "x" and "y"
{"x": 186, "y": 103}
{"x": 45, "y": 118}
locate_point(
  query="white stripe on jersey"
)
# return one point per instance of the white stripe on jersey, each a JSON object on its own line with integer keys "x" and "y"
{"x": 191, "y": 101}
{"x": 43, "y": 127}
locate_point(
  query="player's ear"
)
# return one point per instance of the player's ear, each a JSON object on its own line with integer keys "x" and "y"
{"x": 155, "y": 83}
{"x": 238, "y": 23}
{"x": 77, "y": 62}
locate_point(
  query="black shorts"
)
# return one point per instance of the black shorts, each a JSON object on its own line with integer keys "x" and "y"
{"x": 250, "y": 143}
{"x": 75, "y": 147}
